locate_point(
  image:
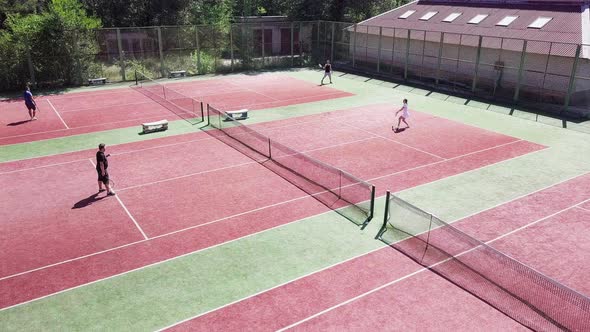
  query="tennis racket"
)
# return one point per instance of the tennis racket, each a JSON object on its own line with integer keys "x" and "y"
{"x": 319, "y": 64}
{"x": 111, "y": 182}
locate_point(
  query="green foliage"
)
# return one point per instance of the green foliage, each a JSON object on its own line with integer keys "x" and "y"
{"x": 210, "y": 12}
{"x": 58, "y": 42}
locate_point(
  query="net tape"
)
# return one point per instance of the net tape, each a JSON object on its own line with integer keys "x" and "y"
{"x": 522, "y": 293}
{"x": 349, "y": 196}
{"x": 187, "y": 108}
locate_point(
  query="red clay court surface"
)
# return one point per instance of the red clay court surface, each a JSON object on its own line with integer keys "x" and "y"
{"x": 73, "y": 114}
{"x": 372, "y": 292}
{"x": 178, "y": 174}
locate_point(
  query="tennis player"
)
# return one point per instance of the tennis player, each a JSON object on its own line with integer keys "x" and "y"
{"x": 102, "y": 165}
{"x": 327, "y": 72}
{"x": 30, "y": 103}
{"x": 405, "y": 115}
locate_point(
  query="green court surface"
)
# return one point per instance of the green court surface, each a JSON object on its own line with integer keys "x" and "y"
{"x": 196, "y": 284}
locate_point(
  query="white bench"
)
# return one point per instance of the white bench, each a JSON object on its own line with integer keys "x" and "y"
{"x": 243, "y": 114}
{"x": 97, "y": 81}
{"x": 178, "y": 73}
{"x": 151, "y": 127}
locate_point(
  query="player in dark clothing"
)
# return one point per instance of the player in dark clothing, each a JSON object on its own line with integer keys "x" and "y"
{"x": 102, "y": 165}
{"x": 30, "y": 103}
{"x": 327, "y": 72}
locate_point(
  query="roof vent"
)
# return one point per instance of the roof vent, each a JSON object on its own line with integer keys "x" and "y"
{"x": 407, "y": 14}
{"x": 478, "y": 18}
{"x": 540, "y": 22}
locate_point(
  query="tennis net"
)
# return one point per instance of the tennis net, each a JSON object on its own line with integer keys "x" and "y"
{"x": 520, "y": 292}
{"x": 347, "y": 195}
{"x": 187, "y": 108}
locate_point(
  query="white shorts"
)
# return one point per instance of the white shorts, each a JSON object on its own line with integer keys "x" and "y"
{"x": 405, "y": 115}
{"x": 328, "y": 74}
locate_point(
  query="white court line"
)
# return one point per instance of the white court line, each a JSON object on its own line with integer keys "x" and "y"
{"x": 237, "y": 165}
{"x": 146, "y": 266}
{"x": 350, "y": 259}
{"x": 44, "y": 166}
{"x": 251, "y": 90}
{"x": 217, "y": 245}
{"x": 391, "y": 140}
{"x": 80, "y": 127}
{"x": 178, "y": 231}
{"x": 581, "y": 208}
{"x": 109, "y": 106}
{"x": 57, "y": 113}
{"x": 429, "y": 267}
{"x": 125, "y": 208}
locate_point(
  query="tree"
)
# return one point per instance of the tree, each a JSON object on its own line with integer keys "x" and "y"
{"x": 59, "y": 41}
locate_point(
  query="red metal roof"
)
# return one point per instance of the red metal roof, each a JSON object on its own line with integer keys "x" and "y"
{"x": 565, "y": 26}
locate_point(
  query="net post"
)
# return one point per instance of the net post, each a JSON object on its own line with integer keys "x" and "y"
{"x": 202, "y": 111}
{"x": 136, "y": 80}
{"x": 371, "y": 210}
{"x": 385, "y": 217}
{"x": 269, "y": 149}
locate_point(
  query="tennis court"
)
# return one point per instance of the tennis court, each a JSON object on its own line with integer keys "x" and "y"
{"x": 234, "y": 227}
{"x": 94, "y": 111}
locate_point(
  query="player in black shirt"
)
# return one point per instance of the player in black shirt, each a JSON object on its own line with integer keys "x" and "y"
{"x": 102, "y": 165}
{"x": 327, "y": 72}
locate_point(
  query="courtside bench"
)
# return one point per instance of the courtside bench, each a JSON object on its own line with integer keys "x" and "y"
{"x": 97, "y": 81}
{"x": 177, "y": 73}
{"x": 150, "y": 127}
{"x": 243, "y": 114}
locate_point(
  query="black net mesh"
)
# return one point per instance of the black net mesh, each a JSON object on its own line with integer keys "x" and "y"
{"x": 335, "y": 188}
{"x": 189, "y": 109}
{"x": 522, "y": 293}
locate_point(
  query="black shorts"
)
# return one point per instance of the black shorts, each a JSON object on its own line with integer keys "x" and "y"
{"x": 104, "y": 179}
{"x": 31, "y": 106}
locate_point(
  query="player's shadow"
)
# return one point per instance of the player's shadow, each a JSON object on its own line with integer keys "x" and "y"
{"x": 88, "y": 201}
{"x": 18, "y": 123}
{"x": 399, "y": 130}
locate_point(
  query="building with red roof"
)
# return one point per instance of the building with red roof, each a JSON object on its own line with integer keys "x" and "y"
{"x": 524, "y": 50}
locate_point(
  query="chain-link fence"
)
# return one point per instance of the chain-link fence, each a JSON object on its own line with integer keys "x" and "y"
{"x": 549, "y": 76}
{"x": 116, "y": 53}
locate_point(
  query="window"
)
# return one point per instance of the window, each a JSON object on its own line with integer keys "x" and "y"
{"x": 540, "y": 22}
{"x": 477, "y": 19}
{"x": 452, "y": 17}
{"x": 506, "y": 21}
{"x": 428, "y": 16}
{"x": 407, "y": 14}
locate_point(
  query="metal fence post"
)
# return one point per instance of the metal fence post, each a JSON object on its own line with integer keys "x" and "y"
{"x": 520, "y": 70}
{"x": 332, "y": 41}
{"x": 319, "y": 46}
{"x": 300, "y": 42}
{"x": 231, "y": 45}
{"x": 198, "y": 50}
{"x": 354, "y": 48}
{"x": 440, "y": 53}
{"x": 31, "y": 67}
{"x": 572, "y": 83}
{"x": 263, "y": 43}
{"x": 121, "y": 54}
{"x": 292, "y": 44}
{"x": 161, "y": 50}
{"x": 379, "y": 49}
{"x": 407, "y": 55}
{"x": 393, "y": 51}
{"x": 477, "y": 59}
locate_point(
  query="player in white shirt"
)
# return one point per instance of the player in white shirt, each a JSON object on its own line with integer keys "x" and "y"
{"x": 405, "y": 115}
